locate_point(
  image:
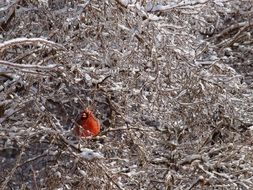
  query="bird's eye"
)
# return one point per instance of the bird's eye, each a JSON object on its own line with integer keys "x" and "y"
{"x": 84, "y": 115}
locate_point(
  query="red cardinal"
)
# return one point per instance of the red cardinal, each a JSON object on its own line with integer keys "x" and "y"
{"x": 89, "y": 125}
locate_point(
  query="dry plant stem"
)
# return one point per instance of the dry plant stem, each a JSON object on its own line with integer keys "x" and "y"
{"x": 10, "y": 174}
{"x": 27, "y": 41}
{"x": 121, "y": 3}
{"x": 125, "y": 128}
{"x": 233, "y": 153}
{"x": 103, "y": 169}
{"x": 59, "y": 134}
{"x": 9, "y": 115}
{"x": 232, "y": 27}
{"x": 156, "y": 78}
{"x": 224, "y": 44}
{"x": 190, "y": 159}
{"x": 109, "y": 176}
{"x": 201, "y": 51}
{"x": 65, "y": 141}
{"x": 15, "y": 65}
{"x": 33, "y": 159}
{"x": 52, "y": 57}
{"x": 26, "y": 54}
{"x": 129, "y": 131}
{"x": 178, "y": 6}
{"x": 195, "y": 183}
{"x": 34, "y": 178}
{"x": 206, "y": 171}
{"x": 208, "y": 138}
{"x": 33, "y": 72}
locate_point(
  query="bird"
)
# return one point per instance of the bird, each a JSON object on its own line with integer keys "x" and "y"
{"x": 88, "y": 124}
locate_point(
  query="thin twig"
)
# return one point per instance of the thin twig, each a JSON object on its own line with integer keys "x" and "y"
{"x": 10, "y": 64}
{"x": 27, "y": 41}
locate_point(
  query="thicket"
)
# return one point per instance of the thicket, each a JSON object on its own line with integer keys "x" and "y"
{"x": 171, "y": 83}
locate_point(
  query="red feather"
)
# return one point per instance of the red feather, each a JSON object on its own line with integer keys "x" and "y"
{"x": 88, "y": 125}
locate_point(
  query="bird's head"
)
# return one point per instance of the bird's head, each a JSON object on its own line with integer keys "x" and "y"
{"x": 86, "y": 113}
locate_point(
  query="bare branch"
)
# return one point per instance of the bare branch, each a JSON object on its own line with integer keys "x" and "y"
{"x": 27, "y": 41}
{"x": 22, "y": 66}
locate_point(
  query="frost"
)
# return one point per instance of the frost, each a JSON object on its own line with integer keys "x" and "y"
{"x": 89, "y": 154}
{"x": 58, "y": 174}
{"x": 220, "y": 2}
{"x": 53, "y": 153}
{"x": 136, "y": 91}
{"x": 117, "y": 86}
{"x": 83, "y": 173}
{"x": 87, "y": 77}
{"x": 169, "y": 81}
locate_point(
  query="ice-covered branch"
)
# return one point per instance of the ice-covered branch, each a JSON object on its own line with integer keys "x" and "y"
{"x": 27, "y": 41}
